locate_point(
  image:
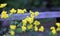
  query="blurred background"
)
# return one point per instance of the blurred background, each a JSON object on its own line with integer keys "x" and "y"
{"x": 40, "y": 5}
{"x": 34, "y": 5}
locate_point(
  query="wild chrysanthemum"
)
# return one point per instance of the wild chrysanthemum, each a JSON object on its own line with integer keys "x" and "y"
{"x": 23, "y": 28}
{"x": 41, "y": 29}
{"x": 36, "y": 23}
{"x": 30, "y": 26}
{"x": 12, "y": 11}
{"x": 32, "y": 15}
{"x": 13, "y": 27}
{"x": 4, "y": 14}
{"x": 29, "y": 19}
{"x": 12, "y": 33}
{"x": 35, "y": 28}
{"x": 53, "y": 30}
{"x": 24, "y": 22}
{"x": 20, "y": 11}
{"x": 52, "y": 27}
{"x": 24, "y": 10}
{"x": 58, "y": 26}
{"x": 36, "y": 13}
{"x": 3, "y": 5}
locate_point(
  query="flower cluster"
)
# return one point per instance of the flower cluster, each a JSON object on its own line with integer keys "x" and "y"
{"x": 53, "y": 30}
{"x": 27, "y": 24}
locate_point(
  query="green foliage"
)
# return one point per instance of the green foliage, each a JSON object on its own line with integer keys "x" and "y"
{"x": 56, "y": 2}
{"x": 27, "y": 3}
{"x": 18, "y": 30}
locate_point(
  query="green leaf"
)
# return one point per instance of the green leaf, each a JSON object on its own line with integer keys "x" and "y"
{"x": 16, "y": 22}
{"x": 18, "y": 30}
{"x": 19, "y": 25}
{"x": 7, "y": 34}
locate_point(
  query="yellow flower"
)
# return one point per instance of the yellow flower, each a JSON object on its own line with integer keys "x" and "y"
{"x": 25, "y": 10}
{"x": 58, "y": 24}
{"x": 35, "y": 28}
{"x": 30, "y": 11}
{"x": 36, "y": 23}
{"x": 13, "y": 27}
{"x": 3, "y": 5}
{"x": 23, "y": 28}
{"x": 41, "y": 29}
{"x": 29, "y": 19}
{"x": 12, "y": 11}
{"x": 36, "y": 13}
{"x": 32, "y": 15}
{"x": 29, "y": 26}
{"x": 20, "y": 11}
{"x": 4, "y": 14}
{"x": 52, "y": 28}
{"x": 12, "y": 33}
{"x": 53, "y": 31}
{"x": 58, "y": 29}
{"x": 24, "y": 22}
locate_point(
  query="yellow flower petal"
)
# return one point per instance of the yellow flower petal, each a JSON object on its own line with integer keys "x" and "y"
{"x": 32, "y": 15}
{"x": 36, "y": 13}
{"x": 23, "y": 28}
{"x": 29, "y": 19}
{"x": 52, "y": 28}
{"x": 4, "y": 14}
{"x": 24, "y": 22}
{"x": 12, "y": 33}
{"x": 54, "y": 32}
{"x": 41, "y": 29}
{"x": 29, "y": 26}
{"x": 13, "y": 27}
{"x": 20, "y": 11}
{"x": 36, "y": 23}
{"x": 12, "y": 11}
{"x": 58, "y": 29}
{"x": 36, "y": 28}
{"x": 58, "y": 24}
{"x": 25, "y": 10}
{"x": 3, "y": 5}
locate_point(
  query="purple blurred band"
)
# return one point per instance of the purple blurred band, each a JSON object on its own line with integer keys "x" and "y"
{"x": 41, "y": 15}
